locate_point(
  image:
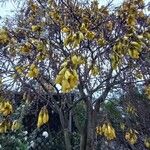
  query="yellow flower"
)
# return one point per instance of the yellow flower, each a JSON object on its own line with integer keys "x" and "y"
{"x": 58, "y": 79}
{"x": 90, "y": 35}
{"x": 122, "y": 126}
{"x": 147, "y": 91}
{"x": 99, "y": 130}
{"x": 115, "y": 61}
{"x": 133, "y": 53}
{"x": 66, "y": 30}
{"x": 109, "y": 25}
{"x": 101, "y": 41}
{"x": 138, "y": 75}
{"x": 131, "y": 136}
{"x": 67, "y": 74}
{"x": 107, "y": 130}
{"x": 43, "y": 117}
{"x": 131, "y": 109}
{"x": 77, "y": 60}
{"x": 33, "y": 71}
{"x": 77, "y": 38}
{"x": 3, "y": 127}
{"x": 95, "y": 70}
{"x": 4, "y": 37}
{"x": 131, "y": 20}
{"x": 26, "y": 48}
{"x": 35, "y": 28}
{"x": 147, "y": 143}
{"x": 83, "y": 28}
{"x": 15, "y": 125}
{"x": 5, "y": 108}
{"x": 65, "y": 86}
{"x": 68, "y": 40}
{"x": 67, "y": 79}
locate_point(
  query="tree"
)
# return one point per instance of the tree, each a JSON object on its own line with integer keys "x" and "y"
{"x": 71, "y": 46}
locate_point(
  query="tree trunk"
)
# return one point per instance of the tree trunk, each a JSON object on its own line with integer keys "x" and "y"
{"x": 90, "y": 145}
{"x": 83, "y": 138}
{"x": 65, "y": 124}
{"x": 87, "y": 139}
{"x": 67, "y": 139}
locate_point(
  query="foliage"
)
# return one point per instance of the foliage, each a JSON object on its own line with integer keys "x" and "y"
{"x": 14, "y": 141}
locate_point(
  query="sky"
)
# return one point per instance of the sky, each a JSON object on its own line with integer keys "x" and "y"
{"x": 9, "y": 6}
{"x": 6, "y": 9}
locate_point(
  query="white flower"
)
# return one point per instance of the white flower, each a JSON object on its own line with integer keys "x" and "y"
{"x": 123, "y": 116}
{"x": 106, "y": 101}
{"x": 45, "y": 134}
{"x": 32, "y": 144}
{"x": 25, "y": 138}
{"x": 106, "y": 142}
{"x": 25, "y": 132}
{"x": 100, "y": 109}
{"x": 43, "y": 19}
{"x": 0, "y": 146}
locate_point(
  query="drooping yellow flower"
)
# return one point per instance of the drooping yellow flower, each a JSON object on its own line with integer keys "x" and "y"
{"x": 131, "y": 109}
{"x": 65, "y": 85}
{"x": 101, "y": 42}
{"x": 147, "y": 143}
{"x": 131, "y": 20}
{"x": 73, "y": 79}
{"x": 40, "y": 46}
{"x": 20, "y": 69}
{"x": 68, "y": 40}
{"x": 109, "y": 25}
{"x": 99, "y": 130}
{"x": 134, "y": 53}
{"x": 77, "y": 60}
{"x": 77, "y": 39}
{"x": 4, "y": 37}
{"x": 3, "y": 127}
{"x": 66, "y": 30}
{"x": 138, "y": 75}
{"x": 136, "y": 45}
{"x": 131, "y": 136}
{"x": 43, "y": 117}
{"x": 2, "y": 105}
{"x": 95, "y": 70}
{"x": 6, "y": 108}
{"x": 107, "y": 130}
{"x": 15, "y": 125}
{"x": 147, "y": 91}
{"x": 90, "y": 35}
{"x": 26, "y": 48}
{"x": 33, "y": 71}
{"x": 59, "y": 79}
{"x": 35, "y": 28}
{"x": 83, "y": 28}
{"x": 68, "y": 79}
{"x": 115, "y": 61}
{"x": 122, "y": 126}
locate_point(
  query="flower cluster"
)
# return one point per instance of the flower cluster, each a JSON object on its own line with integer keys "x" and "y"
{"x": 68, "y": 77}
{"x": 107, "y": 130}
{"x": 131, "y": 136}
{"x": 43, "y": 117}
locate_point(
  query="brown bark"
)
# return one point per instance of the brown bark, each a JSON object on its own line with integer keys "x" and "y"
{"x": 66, "y": 132}
{"x": 87, "y": 139}
{"x": 90, "y": 145}
{"x": 67, "y": 139}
